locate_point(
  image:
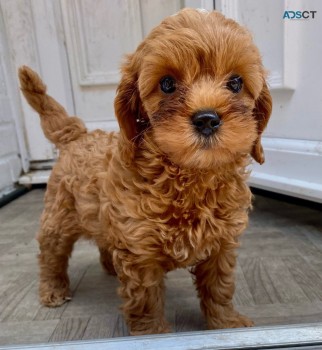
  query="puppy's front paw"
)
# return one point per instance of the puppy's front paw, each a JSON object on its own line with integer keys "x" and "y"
{"x": 241, "y": 321}
{"x": 54, "y": 297}
{"x": 148, "y": 327}
{"x": 234, "y": 320}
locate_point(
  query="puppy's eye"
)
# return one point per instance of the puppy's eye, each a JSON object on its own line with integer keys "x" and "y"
{"x": 168, "y": 84}
{"x": 235, "y": 83}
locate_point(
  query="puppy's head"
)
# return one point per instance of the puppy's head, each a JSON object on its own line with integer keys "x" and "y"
{"x": 197, "y": 85}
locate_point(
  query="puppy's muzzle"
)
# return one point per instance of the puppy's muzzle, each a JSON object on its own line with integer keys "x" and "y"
{"x": 206, "y": 122}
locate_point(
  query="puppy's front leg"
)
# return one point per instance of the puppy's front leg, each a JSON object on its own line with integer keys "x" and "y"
{"x": 142, "y": 289}
{"x": 214, "y": 279}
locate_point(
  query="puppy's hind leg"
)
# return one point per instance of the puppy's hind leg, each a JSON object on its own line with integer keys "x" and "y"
{"x": 106, "y": 261}
{"x": 58, "y": 233}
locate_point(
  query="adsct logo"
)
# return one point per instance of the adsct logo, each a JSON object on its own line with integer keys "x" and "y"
{"x": 299, "y": 14}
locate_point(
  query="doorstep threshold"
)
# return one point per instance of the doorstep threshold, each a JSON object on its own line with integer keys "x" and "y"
{"x": 35, "y": 177}
{"x": 302, "y": 336}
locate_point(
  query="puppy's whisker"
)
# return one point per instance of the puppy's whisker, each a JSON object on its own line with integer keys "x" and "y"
{"x": 141, "y": 133}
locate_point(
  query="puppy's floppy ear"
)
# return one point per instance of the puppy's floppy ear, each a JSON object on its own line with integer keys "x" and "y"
{"x": 262, "y": 112}
{"x": 127, "y": 101}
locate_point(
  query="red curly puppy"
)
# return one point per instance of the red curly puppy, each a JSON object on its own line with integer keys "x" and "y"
{"x": 169, "y": 190}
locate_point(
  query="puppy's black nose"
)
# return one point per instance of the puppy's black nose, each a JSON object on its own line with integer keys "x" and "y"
{"x": 206, "y": 122}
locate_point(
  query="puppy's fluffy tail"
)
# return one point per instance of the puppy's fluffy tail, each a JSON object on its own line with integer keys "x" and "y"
{"x": 58, "y": 127}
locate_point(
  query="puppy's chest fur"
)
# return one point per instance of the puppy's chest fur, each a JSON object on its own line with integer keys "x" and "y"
{"x": 181, "y": 215}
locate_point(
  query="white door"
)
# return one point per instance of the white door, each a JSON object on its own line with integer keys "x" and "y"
{"x": 292, "y": 53}
{"x": 35, "y": 33}
{"x": 12, "y": 149}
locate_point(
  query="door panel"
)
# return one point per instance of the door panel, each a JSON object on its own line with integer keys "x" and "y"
{"x": 98, "y": 34}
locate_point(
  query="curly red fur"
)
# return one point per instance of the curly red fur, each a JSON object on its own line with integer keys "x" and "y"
{"x": 157, "y": 196}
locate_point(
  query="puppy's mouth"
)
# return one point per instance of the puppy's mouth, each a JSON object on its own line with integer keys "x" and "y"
{"x": 207, "y": 142}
